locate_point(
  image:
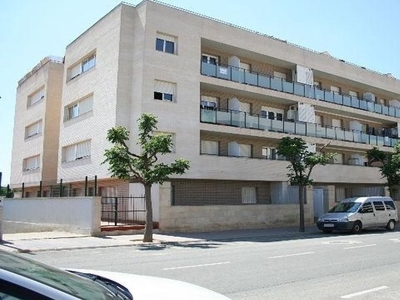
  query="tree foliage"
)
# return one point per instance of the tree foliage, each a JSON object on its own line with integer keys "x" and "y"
{"x": 143, "y": 167}
{"x": 389, "y": 166}
{"x": 6, "y": 192}
{"x": 302, "y": 162}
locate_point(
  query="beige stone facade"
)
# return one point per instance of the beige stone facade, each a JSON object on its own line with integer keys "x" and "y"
{"x": 226, "y": 95}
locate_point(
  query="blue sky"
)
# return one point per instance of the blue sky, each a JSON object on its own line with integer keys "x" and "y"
{"x": 362, "y": 32}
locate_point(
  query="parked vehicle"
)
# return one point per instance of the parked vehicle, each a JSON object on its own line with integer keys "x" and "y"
{"x": 23, "y": 278}
{"x": 355, "y": 214}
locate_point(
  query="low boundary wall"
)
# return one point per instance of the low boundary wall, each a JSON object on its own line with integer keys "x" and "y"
{"x": 72, "y": 214}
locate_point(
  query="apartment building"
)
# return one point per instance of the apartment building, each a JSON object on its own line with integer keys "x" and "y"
{"x": 227, "y": 96}
{"x": 36, "y": 127}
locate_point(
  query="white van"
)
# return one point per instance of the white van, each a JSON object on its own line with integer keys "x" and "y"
{"x": 355, "y": 214}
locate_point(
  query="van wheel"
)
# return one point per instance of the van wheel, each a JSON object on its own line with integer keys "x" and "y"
{"x": 390, "y": 225}
{"x": 357, "y": 227}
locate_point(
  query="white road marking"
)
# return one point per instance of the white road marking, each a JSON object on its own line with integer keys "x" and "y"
{"x": 197, "y": 266}
{"x": 364, "y": 292}
{"x": 395, "y": 240}
{"x": 289, "y": 255}
{"x": 357, "y": 247}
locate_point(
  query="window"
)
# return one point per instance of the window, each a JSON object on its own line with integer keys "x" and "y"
{"x": 76, "y": 151}
{"x": 166, "y": 43}
{"x": 367, "y": 208}
{"x": 249, "y": 195}
{"x": 164, "y": 91}
{"x": 390, "y": 205}
{"x": 209, "y": 147}
{"x": 353, "y": 94}
{"x": 379, "y": 205}
{"x": 317, "y": 84}
{"x": 33, "y": 129}
{"x": 36, "y": 97}
{"x": 245, "y": 66}
{"x": 280, "y": 75}
{"x": 337, "y": 123}
{"x": 271, "y": 113}
{"x": 335, "y": 89}
{"x": 318, "y": 120}
{"x": 209, "y": 59}
{"x": 239, "y": 150}
{"x": 31, "y": 163}
{"x": 82, "y": 67}
{"x": 271, "y": 153}
{"x": 78, "y": 108}
{"x": 208, "y": 102}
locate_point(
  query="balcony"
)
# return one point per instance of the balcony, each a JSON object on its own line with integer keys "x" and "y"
{"x": 247, "y": 120}
{"x": 303, "y": 90}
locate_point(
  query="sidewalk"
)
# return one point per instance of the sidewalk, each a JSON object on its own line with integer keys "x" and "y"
{"x": 50, "y": 241}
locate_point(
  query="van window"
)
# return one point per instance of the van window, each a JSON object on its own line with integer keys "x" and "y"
{"x": 367, "y": 208}
{"x": 390, "y": 205}
{"x": 379, "y": 205}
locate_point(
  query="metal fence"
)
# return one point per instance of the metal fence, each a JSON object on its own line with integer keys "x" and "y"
{"x": 123, "y": 210}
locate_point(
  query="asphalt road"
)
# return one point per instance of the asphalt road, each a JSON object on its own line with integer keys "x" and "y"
{"x": 336, "y": 266}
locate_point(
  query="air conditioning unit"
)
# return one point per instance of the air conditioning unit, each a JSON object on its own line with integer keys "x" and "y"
{"x": 369, "y": 97}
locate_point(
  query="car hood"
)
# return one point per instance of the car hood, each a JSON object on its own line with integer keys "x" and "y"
{"x": 334, "y": 216}
{"x": 147, "y": 287}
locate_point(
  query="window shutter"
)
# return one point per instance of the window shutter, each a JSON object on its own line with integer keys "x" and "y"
{"x": 75, "y": 71}
{"x": 86, "y": 105}
{"x": 165, "y": 87}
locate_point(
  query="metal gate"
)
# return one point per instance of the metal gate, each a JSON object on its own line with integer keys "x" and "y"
{"x": 123, "y": 210}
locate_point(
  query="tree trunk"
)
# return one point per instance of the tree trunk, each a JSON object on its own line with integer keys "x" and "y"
{"x": 148, "y": 229}
{"x": 301, "y": 206}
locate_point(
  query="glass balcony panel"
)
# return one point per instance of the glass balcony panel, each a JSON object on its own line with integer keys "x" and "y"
{"x": 237, "y": 118}
{"x": 287, "y": 87}
{"x": 250, "y": 78}
{"x": 288, "y": 127}
{"x": 209, "y": 116}
{"x": 338, "y": 98}
{"x": 387, "y": 141}
{"x": 264, "y": 81}
{"x": 363, "y": 104}
{"x": 378, "y": 108}
{"x": 347, "y": 100}
{"x": 208, "y": 69}
{"x": 364, "y": 138}
{"x": 330, "y": 133}
{"x": 300, "y": 128}
{"x": 311, "y": 129}
{"x": 320, "y": 131}
{"x": 276, "y": 84}
{"x": 385, "y": 110}
{"x": 299, "y": 89}
{"x": 251, "y": 121}
{"x": 357, "y": 136}
{"x": 355, "y": 102}
{"x": 397, "y": 112}
{"x": 277, "y": 125}
{"x": 373, "y": 140}
{"x": 392, "y": 111}
{"x": 380, "y": 140}
{"x": 237, "y": 74}
{"x": 309, "y": 91}
{"x": 328, "y": 96}
{"x": 339, "y": 134}
{"x": 224, "y": 72}
{"x": 348, "y": 136}
{"x": 319, "y": 94}
{"x": 224, "y": 117}
{"x": 370, "y": 106}
{"x": 265, "y": 124}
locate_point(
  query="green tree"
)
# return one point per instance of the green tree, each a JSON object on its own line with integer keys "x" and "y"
{"x": 6, "y": 192}
{"x": 143, "y": 167}
{"x": 302, "y": 161}
{"x": 389, "y": 166}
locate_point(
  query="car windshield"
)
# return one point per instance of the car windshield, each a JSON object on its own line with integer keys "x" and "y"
{"x": 71, "y": 284}
{"x": 345, "y": 207}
